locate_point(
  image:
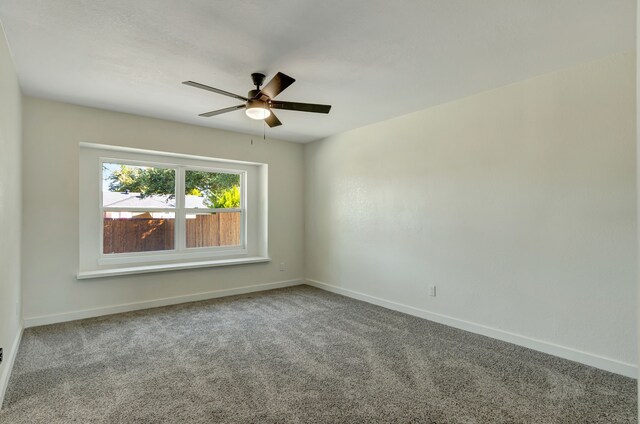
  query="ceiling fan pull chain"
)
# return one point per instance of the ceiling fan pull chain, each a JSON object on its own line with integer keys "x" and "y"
{"x": 264, "y": 130}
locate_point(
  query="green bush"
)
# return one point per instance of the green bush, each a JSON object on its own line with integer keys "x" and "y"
{"x": 227, "y": 199}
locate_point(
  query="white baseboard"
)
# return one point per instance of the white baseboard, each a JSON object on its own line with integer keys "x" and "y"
{"x": 9, "y": 358}
{"x": 607, "y": 364}
{"x": 134, "y": 306}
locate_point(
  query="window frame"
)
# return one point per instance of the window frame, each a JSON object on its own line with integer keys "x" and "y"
{"x": 93, "y": 262}
{"x": 180, "y": 249}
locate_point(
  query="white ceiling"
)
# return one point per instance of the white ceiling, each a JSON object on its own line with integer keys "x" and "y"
{"x": 371, "y": 59}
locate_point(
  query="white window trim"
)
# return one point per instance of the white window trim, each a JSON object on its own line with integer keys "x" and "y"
{"x": 253, "y": 247}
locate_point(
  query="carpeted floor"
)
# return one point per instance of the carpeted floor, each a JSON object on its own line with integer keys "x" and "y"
{"x": 298, "y": 355}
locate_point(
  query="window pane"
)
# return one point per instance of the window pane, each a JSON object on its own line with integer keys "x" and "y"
{"x": 129, "y": 186}
{"x": 213, "y": 229}
{"x": 135, "y": 231}
{"x": 211, "y": 190}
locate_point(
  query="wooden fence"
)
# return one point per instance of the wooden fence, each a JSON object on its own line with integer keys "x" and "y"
{"x": 220, "y": 229}
{"x": 124, "y": 235}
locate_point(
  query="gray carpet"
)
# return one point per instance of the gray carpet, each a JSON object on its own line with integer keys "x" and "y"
{"x": 297, "y": 355}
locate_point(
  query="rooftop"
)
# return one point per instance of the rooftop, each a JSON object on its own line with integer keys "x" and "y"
{"x": 124, "y": 200}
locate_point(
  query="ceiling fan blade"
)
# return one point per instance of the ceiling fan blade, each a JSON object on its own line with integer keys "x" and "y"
{"x": 220, "y": 111}
{"x": 277, "y": 85}
{"x": 272, "y": 120}
{"x": 215, "y": 90}
{"x": 302, "y": 107}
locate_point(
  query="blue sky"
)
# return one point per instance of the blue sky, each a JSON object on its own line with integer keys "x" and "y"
{"x": 107, "y": 169}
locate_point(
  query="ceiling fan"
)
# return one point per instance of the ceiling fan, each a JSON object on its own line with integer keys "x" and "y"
{"x": 259, "y": 102}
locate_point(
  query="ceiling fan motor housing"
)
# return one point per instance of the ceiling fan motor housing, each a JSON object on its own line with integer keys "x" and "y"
{"x": 258, "y": 79}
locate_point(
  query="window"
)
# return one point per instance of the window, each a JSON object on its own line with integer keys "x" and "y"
{"x": 155, "y": 210}
{"x": 214, "y": 211}
{"x": 138, "y": 208}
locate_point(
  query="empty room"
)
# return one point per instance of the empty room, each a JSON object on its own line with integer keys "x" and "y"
{"x": 298, "y": 211}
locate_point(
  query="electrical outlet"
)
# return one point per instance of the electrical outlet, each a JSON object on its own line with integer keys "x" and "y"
{"x": 282, "y": 266}
{"x": 432, "y": 291}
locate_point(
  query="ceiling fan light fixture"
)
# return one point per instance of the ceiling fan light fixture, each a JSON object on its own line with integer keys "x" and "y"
{"x": 257, "y": 109}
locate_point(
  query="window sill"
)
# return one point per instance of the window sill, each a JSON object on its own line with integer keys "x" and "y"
{"x": 195, "y": 256}
{"x": 168, "y": 267}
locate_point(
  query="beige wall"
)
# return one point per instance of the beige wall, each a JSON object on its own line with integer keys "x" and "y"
{"x": 518, "y": 203}
{"x": 52, "y": 132}
{"x": 10, "y": 208}
{"x": 638, "y": 177}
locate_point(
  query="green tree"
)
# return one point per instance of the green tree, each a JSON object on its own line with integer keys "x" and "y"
{"x": 149, "y": 181}
{"x": 146, "y": 181}
{"x": 162, "y": 181}
{"x": 210, "y": 182}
